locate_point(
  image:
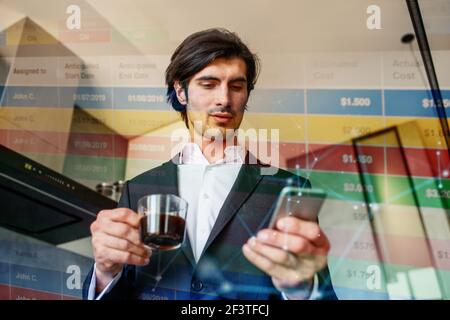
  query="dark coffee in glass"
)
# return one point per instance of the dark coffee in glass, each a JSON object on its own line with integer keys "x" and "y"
{"x": 163, "y": 222}
{"x": 167, "y": 234}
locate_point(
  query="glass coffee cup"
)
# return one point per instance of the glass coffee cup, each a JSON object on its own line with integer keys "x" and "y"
{"x": 163, "y": 222}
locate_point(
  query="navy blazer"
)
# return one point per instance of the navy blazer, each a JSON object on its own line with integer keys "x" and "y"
{"x": 222, "y": 271}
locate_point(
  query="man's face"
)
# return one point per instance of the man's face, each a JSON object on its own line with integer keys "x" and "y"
{"x": 217, "y": 96}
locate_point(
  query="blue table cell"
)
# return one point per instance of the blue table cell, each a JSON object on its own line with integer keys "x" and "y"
{"x": 4, "y": 273}
{"x": 86, "y": 97}
{"x": 2, "y": 102}
{"x": 358, "y": 294}
{"x": 277, "y": 101}
{"x": 140, "y": 99}
{"x": 413, "y": 103}
{"x": 24, "y": 251}
{"x": 36, "y": 278}
{"x": 160, "y": 294}
{"x": 344, "y": 102}
{"x": 21, "y": 96}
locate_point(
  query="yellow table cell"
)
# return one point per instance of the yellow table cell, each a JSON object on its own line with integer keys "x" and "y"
{"x": 291, "y": 127}
{"x": 29, "y": 35}
{"x": 419, "y": 132}
{"x": 138, "y": 122}
{"x": 338, "y": 129}
{"x": 36, "y": 119}
{"x": 127, "y": 122}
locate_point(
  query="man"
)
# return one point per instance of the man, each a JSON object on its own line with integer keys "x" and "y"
{"x": 228, "y": 252}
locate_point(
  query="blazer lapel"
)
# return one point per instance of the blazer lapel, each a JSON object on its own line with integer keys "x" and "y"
{"x": 171, "y": 172}
{"x": 248, "y": 178}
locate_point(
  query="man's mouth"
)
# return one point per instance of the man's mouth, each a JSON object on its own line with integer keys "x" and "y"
{"x": 224, "y": 115}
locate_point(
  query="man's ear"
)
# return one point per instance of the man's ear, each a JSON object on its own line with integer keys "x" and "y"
{"x": 181, "y": 94}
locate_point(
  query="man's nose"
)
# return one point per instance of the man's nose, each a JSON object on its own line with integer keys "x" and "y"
{"x": 223, "y": 97}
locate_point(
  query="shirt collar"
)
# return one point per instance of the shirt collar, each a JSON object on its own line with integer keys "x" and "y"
{"x": 191, "y": 154}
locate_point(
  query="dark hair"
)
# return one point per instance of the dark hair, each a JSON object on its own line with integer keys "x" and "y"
{"x": 199, "y": 50}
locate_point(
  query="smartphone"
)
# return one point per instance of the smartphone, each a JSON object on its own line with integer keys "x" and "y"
{"x": 303, "y": 203}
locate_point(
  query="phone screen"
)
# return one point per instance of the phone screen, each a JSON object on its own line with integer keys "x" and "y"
{"x": 302, "y": 203}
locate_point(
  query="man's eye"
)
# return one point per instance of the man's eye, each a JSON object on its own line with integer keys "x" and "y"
{"x": 207, "y": 85}
{"x": 237, "y": 88}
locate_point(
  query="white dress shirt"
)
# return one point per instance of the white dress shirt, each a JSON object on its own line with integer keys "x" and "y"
{"x": 205, "y": 186}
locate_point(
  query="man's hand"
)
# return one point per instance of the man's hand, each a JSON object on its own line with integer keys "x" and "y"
{"x": 116, "y": 241}
{"x": 291, "y": 254}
